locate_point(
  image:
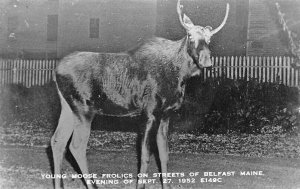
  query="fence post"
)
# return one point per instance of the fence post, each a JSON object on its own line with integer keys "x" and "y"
{"x": 260, "y": 70}
{"x": 14, "y": 72}
{"x": 280, "y": 76}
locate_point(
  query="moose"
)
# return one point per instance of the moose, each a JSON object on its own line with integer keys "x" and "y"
{"x": 147, "y": 81}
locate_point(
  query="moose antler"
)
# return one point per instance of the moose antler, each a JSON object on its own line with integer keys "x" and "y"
{"x": 223, "y": 23}
{"x": 179, "y": 11}
{"x": 294, "y": 47}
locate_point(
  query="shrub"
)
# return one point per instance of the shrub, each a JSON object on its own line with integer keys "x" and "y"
{"x": 241, "y": 106}
{"x": 38, "y": 104}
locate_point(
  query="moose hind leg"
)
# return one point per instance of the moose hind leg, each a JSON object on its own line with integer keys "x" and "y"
{"x": 163, "y": 149}
{"x": 145, "y": 151}
{"x": 60, "y": 138}
{"x": 78, "y": 146}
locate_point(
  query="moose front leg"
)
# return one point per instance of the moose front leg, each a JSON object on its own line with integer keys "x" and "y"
{"x": 145, "y": 151}
{"x": 163, "y": 149}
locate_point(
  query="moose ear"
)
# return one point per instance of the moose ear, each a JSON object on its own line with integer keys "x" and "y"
{"x": 187, "y": 21}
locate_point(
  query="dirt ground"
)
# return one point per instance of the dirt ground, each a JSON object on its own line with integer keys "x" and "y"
{"x": 24, "y": 167}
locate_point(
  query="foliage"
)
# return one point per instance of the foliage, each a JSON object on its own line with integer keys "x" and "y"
{"x": 241, "y": 106}
{"x": 37, "y": 104}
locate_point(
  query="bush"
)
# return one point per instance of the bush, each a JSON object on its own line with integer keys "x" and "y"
{"x": 241, "y": 106}
{"x": 38, "y": 104}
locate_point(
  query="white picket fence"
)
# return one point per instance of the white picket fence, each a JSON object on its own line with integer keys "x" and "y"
{"x": 26, "y": 72}
{"x": 264, "y": 69}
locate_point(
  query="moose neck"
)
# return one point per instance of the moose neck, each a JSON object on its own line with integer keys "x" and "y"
{"x": 176, "y": 52}
{"x": 162, "y": 51}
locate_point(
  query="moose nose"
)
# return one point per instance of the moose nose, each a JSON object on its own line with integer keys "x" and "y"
{"x": 204, "y": 58}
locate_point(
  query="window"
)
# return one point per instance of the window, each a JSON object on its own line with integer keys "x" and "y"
{"x": 52, "y": 27}
{"x": 94, "y": 28}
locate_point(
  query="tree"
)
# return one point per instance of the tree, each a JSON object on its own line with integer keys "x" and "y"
{"x": 293, "y": 46}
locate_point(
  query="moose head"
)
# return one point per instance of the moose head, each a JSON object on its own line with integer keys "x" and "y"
{"x": 198, "y": 39}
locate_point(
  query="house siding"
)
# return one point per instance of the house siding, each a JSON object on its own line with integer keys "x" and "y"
{"x": 29, "y": 35}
